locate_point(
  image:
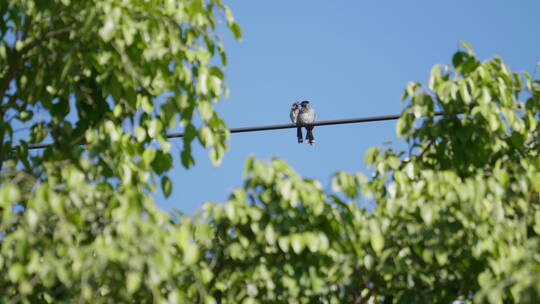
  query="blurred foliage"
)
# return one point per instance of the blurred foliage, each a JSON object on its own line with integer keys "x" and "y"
{"x": 457, "y": 215}
{"x": 103, "y": 80}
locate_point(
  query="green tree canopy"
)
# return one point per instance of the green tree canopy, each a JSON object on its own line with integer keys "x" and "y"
{"x": 78, "y": 222}
{"x": 457, "y": 214}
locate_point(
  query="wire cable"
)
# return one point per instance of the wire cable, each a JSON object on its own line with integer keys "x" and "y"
{"x": 279, "y": 126}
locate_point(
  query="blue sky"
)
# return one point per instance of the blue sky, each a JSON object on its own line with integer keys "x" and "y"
{"x": 350, "y": 59}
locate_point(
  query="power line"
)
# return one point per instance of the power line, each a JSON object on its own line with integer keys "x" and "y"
{"x": 280, "y": 126}
{"x": 318, "y": 123}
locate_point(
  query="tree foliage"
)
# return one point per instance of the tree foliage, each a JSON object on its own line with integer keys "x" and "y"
{"x": 78, "y": 222}
{"x": 457, "y": 214}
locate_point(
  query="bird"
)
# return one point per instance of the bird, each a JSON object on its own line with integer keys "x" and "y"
{"x": 295, "y": 109}
{"x": 307, "y": 116}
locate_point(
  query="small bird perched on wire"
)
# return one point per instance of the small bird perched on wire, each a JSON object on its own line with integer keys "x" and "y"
{"x": 307, "y": 116}
{"x": 295, "y": 109}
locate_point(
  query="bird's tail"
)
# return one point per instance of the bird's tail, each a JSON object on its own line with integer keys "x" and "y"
{"x": 309, "y": 136}
{"x": 299, "y": 135}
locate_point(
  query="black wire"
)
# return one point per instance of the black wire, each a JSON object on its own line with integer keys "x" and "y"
{"x": 279, "y": 126}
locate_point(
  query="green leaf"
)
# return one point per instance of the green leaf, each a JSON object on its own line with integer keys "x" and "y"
{"x": 371, "y": 155}
{"x": 311, "y": 241}
{"x": 427, "y": 214}
{"x": 459, "y": 58}
{"x": 187, "y": 159}
{"x": 162, "y": 162}
{"x": 155, "y": 127}
{"x": 235, "y": 29}
{"x": 149, "y": 155}
{"x": 108, "y": 30}
{"x": 191, "y": 254}
{"x": 270, "y": 235}
{"x": 206, "y": 137}
{"x": 435, "y": 76}
{"x": 24, "y": 116}
{"x": 16, "y": 272}
{"x": 283, "y": 243}
{"x": 140, "y": 133}
{"x": 147, "y": 104}
{"x": 368, "y": 261}
{"x": 216, "y": 155}
{"x": 166, "y": 186}
{"x": 377, "y": 242}
{"x": 410, "y": 89}
{"x": 206, "y": 111}
{"x": 323, "y": 242}
{"x": 228, "y": 14}
{"x": 133, "y": 281}
{"x": 403, "y": 125}
{"x": 190, "y": 132}
{"x": 230, "y": 212}
{"x": 467, "y": 47}
{"x": 464, "y": 93}
{"x": 297, "y": 243}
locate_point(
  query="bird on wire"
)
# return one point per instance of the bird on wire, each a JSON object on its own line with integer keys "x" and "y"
{"x": 295, "y": 109}
{"x": 307, "y": 116}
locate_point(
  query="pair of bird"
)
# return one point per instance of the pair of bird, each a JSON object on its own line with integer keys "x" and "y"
{"x": 302, "y": 114}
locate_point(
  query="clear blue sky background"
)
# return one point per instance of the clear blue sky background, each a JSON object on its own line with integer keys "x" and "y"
{"x": 351, "y": 59}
